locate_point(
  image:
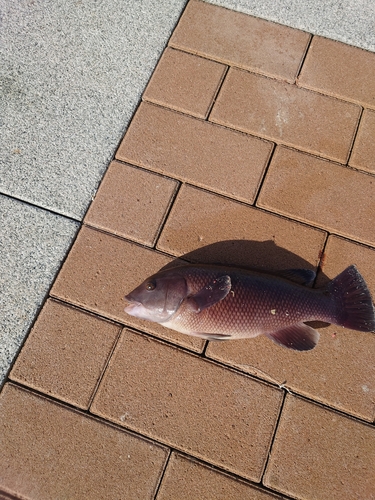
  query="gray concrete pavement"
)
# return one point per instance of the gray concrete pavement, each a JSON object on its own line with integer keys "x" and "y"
{"x": 71, "y": 75}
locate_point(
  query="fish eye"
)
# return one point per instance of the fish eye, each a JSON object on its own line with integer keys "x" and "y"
{"x": 150, "y": 285}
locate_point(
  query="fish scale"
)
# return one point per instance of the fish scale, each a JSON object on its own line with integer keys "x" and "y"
{"x": 218, "y": 303}
{"x": 245, "y": 312}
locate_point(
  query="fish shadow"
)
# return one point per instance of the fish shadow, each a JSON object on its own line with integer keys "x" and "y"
{"x": 263, "y": 256}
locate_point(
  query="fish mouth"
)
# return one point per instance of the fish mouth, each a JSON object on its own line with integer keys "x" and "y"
{"x": 133, "y": 304}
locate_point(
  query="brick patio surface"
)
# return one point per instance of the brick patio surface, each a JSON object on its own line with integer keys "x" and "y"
{"x": 253, "y": 146}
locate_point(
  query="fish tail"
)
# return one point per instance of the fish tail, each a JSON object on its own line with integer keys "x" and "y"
{"x": 353, "y": 304}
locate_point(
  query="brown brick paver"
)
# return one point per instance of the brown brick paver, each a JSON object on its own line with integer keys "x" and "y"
{"x": 317, "y": 453}
{"x": 185, "y": 82}
{"x": 240, "y": 40}
{"x": 185, "y": 479}
{"x": 213, "y": 229}
{"x": 337, "y": 69}
{"x": 286, "y": 114}
{"x": 196, "y": 151}
{"x": 363, "y": 155}
{"x": 330, "y": 374}
{"x": 252, "y": 147}
{"x": 190, "y": 404}
{"x": 50, "y": 451}
{"x": 340, "y": 253}
{"x": 66, "y": 353}
{"x": 321, "y": 193}
{"x": 148, "y": 197}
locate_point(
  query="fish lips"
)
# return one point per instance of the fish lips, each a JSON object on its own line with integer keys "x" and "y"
{"x": 138, "y": 310}
{"x": 132, "y": 307}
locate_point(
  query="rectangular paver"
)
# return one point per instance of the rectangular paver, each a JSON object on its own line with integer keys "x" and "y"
{"x": 363, "y": 154}
{"x": 286, "y": 114}
{"x": 50, "y": 451}
{"x": 241, "y": 40}
{"x": 188, "y": 479}
{"x": 126, "y": 197}
{"x": 101, "y": 269}
{"x": 185, "y": 82}
{"x": 318, "y": 453}
{"x": 207, "y": 228}
{"x": 339, "y": 372}
{"x": 193, "y": 405}
{"x": 65, "y": 353}
{"x": 340, "y": 253}
{"x": 195, "y": 151}
{"x": 340, "y": 70}
{"x": 321, "y": 193}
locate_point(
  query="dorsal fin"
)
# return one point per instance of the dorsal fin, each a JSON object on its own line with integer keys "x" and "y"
{"x": 301, "y": 276}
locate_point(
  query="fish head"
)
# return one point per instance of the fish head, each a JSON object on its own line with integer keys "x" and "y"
{"x": 158, "y": 297}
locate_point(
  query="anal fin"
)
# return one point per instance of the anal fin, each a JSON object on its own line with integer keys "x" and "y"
{"x": 299, "y": 337}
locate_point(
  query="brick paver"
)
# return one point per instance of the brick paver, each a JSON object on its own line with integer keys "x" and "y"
{"x": 286, "y": 114}
{"x": 363, "y": 154}
{"x": 320, "y": 193}
{"x": 212, "y": 229}
{"x": 339, "y": 253}
{"x": 196, "y": 151}
{"x": 243, "y": 152}
{"x": 339, "y": 372}
{"x": 51, "y": 451}
{"x": 189, "y": 404}
{"x": 321, "y": 454}
{"x": 148, "y": 197}
{"x": 66, "y": 353}
{"x": 241, "y": 40}
{"x": 185, "y": 479}
{"x": 337, "y": 69}
{"x": 185, "y": 82}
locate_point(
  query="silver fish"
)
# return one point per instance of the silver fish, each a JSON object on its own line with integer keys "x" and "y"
{"x": 217, "y": 303}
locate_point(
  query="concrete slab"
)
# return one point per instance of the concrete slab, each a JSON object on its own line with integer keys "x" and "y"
{"x": 33, "y": 242}
{"x": 71, "y": 76}
{"x": 348, "y": 21}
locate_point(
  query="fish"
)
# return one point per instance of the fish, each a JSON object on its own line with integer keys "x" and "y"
{"x": 224, "y": 303}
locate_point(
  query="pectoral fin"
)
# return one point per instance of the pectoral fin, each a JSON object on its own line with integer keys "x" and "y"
{"x": 299, "y": 337}
{"x": 211, "y": 294}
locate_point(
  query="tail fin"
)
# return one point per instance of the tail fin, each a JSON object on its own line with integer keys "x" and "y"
{"x": 353, "y": 303}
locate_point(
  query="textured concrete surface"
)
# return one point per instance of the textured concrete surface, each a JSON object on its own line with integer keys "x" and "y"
{"x": 349, "y": 21}
{"x": 72, "y": 74}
